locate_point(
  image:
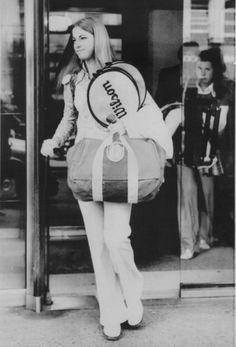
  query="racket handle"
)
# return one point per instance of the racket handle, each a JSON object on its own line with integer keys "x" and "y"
{"x": 111, "y": 118}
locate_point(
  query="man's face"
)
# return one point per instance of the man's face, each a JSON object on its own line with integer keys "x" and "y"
{"x": 190, "y": 58}
{"x": 190, "y": 54}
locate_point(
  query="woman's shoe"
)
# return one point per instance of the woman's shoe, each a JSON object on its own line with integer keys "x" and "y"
{"x": 204, "y": 245}
{"x": 187, "y": 254}
{"x": 112, "y": 331}
{"x": 135, "y": 314}
{"x": 126, "y": 326}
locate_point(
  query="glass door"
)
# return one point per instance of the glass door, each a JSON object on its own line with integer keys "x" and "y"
{"x": 208, "y": 188}
{"x": 12, "y": 146}
{"x": 69, "y": 256}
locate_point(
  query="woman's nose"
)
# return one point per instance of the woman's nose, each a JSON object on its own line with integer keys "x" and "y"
{"x": 77, "y": 44}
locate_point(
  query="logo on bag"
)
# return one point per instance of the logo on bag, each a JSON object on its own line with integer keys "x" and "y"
{"x": 115, "y": 103}
{"x": 115, "y": 151}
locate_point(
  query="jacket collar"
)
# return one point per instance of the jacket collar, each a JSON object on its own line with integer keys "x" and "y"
{"x": 207, "y": 90}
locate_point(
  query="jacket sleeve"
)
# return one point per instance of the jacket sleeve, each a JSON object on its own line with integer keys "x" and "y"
{"x": 70, "y": 114}
{"x": 148, "y": 123}
{"x": 225, "y": 104}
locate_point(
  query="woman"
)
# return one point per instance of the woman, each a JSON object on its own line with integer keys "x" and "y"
{"x": 119, "y": 283}
{"x": 195, "y": 183}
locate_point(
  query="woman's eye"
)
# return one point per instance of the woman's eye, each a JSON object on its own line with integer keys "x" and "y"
{"x": 78, "y": 39}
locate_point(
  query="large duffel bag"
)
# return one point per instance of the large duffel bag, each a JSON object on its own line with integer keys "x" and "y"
{"x": 117, "y": 169}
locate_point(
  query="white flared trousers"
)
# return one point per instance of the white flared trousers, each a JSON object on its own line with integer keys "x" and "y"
{"x": 119, "y": 283}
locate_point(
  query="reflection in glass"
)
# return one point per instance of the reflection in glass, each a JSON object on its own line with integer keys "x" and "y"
{"x": 12, "y": 146}
{"x": 206, "y": 173}
{"x": 199, "y": 111}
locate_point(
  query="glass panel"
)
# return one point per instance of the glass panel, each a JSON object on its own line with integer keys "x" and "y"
{"x": 12, "y": 146}
{"x": 69, "y": 252}
{"x": 165, "y": 35}
{"x": 206, "y": 161}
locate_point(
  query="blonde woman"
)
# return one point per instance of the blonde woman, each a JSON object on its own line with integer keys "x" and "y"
{"x": 119, "y": 283}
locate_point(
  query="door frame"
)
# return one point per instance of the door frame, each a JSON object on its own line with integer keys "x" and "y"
{"x": 36, "y": 36}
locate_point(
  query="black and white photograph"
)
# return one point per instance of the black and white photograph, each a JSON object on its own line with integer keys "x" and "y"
{"x": 117, "y": 173}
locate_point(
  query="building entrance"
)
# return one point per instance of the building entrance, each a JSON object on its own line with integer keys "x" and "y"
{"x": 44, "y": 255}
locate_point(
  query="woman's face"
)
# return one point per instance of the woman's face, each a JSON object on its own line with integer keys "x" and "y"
{"x": 204, "y": 71}
{"x": 83, "y": 43}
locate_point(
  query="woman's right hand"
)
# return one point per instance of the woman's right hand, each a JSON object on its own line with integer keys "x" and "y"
{"x": 118, "y": 127}
{"x": 48, "y": 147}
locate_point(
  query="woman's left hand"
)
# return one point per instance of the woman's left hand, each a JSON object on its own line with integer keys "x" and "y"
{"x": 117, "y": 127}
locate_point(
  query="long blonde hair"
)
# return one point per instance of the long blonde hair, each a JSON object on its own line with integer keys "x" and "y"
{"x": 103, "y": 52}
